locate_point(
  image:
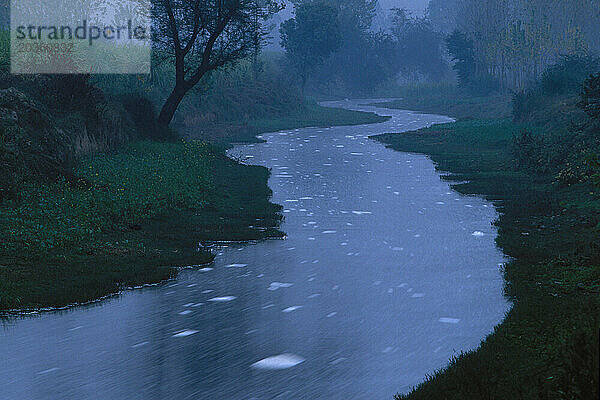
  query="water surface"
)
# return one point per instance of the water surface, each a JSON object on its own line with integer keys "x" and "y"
{"x": 385, "y": 274}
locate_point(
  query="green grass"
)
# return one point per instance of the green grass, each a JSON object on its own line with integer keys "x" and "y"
{"x": 135, "y": 216}
{"x": 547, "y": 347}
{"x": 448, "y": 100}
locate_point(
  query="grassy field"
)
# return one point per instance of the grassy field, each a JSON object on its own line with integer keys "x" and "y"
{"x": 547, "y": 347}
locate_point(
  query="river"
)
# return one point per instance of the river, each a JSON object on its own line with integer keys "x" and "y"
{"x": 385, "y": 274}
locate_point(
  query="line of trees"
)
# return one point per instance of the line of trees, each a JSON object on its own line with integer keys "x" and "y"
{"x": 511, "y": 42}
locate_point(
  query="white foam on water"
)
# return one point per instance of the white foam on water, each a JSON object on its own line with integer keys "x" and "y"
{"x": 362, "y": 212}
{"x": 137, "y": 346}
{"x": 329, "y": 232}
{"x": 75, "y": 329}
{"x": 291, "y": 309}
{"x": 337, "y": 361}
{"x": 236, "y": 266}
{"x": 330, "y": 315}
{"x": 48, "y": 371}
{"x": 446, "y": 320}
{"x": 205, "y": 269}
{"x": 186, "y": 312}
{"x": 478, "y": 234}
{"x": 282, "y": 361}
{"x": 312, "y": 296}
{"x": 223, "y": 299}
{"x": 278, "y": 285}
{"x": 186, "y": 333}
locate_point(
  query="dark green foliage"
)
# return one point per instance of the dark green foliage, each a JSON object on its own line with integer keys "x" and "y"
{"x": 568, "y": 75}
{"x": 461, "y": 49}
{"x": 590, "y": 97}
{"x": 310, "y": 37}
{"x": 419, "y": 49}
{"x": 528, "y": 150}
{"x": 560, "y": 83}
{"x": 143, "y": 114}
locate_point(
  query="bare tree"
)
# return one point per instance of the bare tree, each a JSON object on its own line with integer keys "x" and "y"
{"x": 200, "y": 36}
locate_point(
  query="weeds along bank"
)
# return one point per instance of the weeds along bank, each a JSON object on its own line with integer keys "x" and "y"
{"x": 93, "y": 198}
{"x": 541, "y": 169}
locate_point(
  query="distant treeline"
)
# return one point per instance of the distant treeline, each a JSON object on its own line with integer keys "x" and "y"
{"x": 509, "y": 43}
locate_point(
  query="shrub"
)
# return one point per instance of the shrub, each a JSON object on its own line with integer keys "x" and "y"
{"x": 143, "y": 114}
{"x": 529, "y": 150}
{"x": 590, "y": 97}
{"x": 567, "y": 75}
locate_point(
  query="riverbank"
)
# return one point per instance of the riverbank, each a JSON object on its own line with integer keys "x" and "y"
{"x": 547, "y": 347}
{"x": 134, "y": 216}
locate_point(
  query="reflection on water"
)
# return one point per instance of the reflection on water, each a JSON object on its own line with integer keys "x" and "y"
{"x": 385, "y": 274}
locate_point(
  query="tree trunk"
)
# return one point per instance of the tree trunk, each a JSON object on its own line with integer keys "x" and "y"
{"x": 170, "y": 107}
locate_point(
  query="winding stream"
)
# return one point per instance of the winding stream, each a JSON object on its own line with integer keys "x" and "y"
{"x": 385, "y": 274}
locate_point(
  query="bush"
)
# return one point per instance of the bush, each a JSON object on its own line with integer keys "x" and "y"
{"x": 568, "y": 75}
{"x": 143, "y": 114}
{"x": 590, "y": 97}
{"x": 529, "y": 150}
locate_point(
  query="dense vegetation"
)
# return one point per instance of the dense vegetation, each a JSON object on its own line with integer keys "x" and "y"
{"x": 541, "y": 170}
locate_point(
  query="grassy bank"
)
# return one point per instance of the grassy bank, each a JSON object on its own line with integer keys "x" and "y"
{"x": 133, "y": 218}
{"x": 447, "y": 99}
{"x": 547, "y": 347}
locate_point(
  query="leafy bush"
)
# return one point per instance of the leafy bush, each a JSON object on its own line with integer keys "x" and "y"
{"x": 590, "y": 97}
{"x": 568, "y": 75}
{"x": 143, "y": 114}
{"x": 528, "y": 150}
